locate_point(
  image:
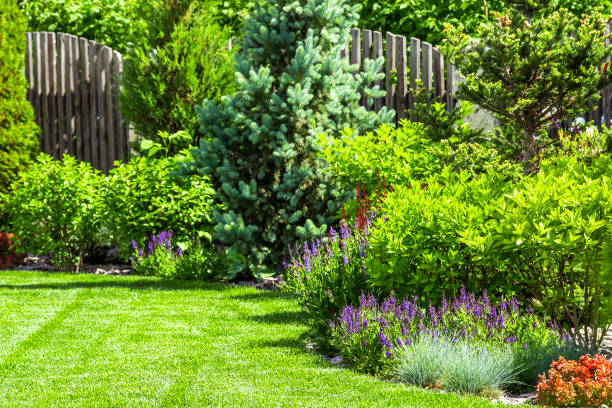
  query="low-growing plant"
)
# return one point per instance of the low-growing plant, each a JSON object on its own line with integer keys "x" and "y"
{"x": 421, "y": 362}
{"x": 369, "y": 335}
{"x": 583, "y": 383}
{"x": 328, "y": 274}
{"x": 143, "y": 197}
{"x": 8, "y": 256}
{"x": 477, "y": 369}
{"x": 55, "y": 207}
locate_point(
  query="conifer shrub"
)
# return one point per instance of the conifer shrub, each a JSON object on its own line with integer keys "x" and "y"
{"x": 293, "y": 85}
{"x": 18, "y": 142}
{"x": 168, "y": 72}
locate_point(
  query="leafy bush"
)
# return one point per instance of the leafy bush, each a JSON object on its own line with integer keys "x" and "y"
{"x": 368, "y": 336}
{"x": 292, "y": 85}
{"x": 8, "y": 256}
{"x": 417, "y": 248}
{"x": 18, "y": 141}
{"x": 426, "y": 19}
{"x": 537, "y": 63}
{"x": 402, "y": 155}
{"x": 163, "y": 83}
{"x": 54, "y": 206}
{"x": 143, "y": 197}
{"x": 110, "y": 22}
{"x": 586, "y": 382}
{"x": 163, "y": 259}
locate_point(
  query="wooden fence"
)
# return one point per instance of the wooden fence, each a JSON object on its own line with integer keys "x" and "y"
{"x": 426, "y": 63}
{"x": 73, "y": 89}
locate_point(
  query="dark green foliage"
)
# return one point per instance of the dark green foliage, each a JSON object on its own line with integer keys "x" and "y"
{"x": 292, "y": 86}
{"x": 531, "y": 66}
{"x": 143, "y": 197}
{"x": 110, "y": 22}
{"x": 54, "y": 206}
{"x": 162, "y": 84}
{"x": 18, "y": 142}
{"x": 425, "y": 19}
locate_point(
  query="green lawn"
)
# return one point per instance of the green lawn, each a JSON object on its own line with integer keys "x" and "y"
{"x": 96, "y": 341}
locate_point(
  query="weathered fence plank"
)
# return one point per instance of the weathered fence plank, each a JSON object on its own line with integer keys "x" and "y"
{"x": 415, "y": 70}
{"x": 377, "y": 50}
{"x": 391, "y": 81}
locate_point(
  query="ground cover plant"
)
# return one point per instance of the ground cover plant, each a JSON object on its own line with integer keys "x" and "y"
{"x": 88, "y": 340}
{"x": 18, "y": 141}
{"x": 261, "y": 157}
{"x": 586, "y": 382}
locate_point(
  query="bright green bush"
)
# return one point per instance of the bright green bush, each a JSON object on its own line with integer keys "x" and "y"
{"x": 292, "y": 86}
{"x": 110, "y": 22}
{"x": 163, "y": 83}
{"x": 54, "y": 207}
{"x": 425, "y": 19}
{"x": 417, "y": 249}
{"x": 403, "y": 154}
{"x": 143, "y": 197}
{"x": 18, "y": 142}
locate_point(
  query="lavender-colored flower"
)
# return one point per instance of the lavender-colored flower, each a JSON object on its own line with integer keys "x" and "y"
{"x": 404, "y": 332}
{"x": 134, "y": 246}
{"x": 345, "y": 259}
{"x": 140, "y": 252}
{"x": 307, "y": 266}
{"x": 514, "y": 304}
{"x": 283, "y": 264}
{"x": 388, "y": 353}
{"x": 365, "y": 323}
{"x": 331, "y": 235}
{"x": 525, "y": 346}
{"x": 344, "y": 232}
{"x": 131, "y": 259}
{"x": 150, "y": 247}
{"x": 534, "y": 325}
{"x": 399, "y": 342}
{"x": 179, "y": 252}
{"x": 510, "y": 339}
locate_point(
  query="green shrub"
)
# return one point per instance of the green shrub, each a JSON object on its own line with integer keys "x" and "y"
{"x": 18, "y": 142}
{"x": 292, "y": 86}
{"x": 54, "y": 207}
{"x": 163, "y": 83}
{"x": 143, "y": 197}
{"x": 402, "y": 155}
{"x": 425, "y": 19}
{"x": 110, "y": 22}
{"x": 418, "y": 251}
{"x": 550, "y": 234}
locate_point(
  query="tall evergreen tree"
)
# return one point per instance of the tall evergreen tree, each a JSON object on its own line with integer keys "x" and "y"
{"x": 293, "y": 86}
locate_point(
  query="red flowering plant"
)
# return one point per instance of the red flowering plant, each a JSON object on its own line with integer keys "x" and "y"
{"x": 583, "y": 383}
{"x": 8, "y": 256}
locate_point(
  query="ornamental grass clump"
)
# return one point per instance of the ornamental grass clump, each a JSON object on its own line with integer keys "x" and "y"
{"x": 369, "y": 335}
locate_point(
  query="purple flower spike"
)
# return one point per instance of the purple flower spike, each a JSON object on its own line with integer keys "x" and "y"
{"x": 140, "y": 252}
{"x": 179, "y": 252}
{"x": 510, "y": 339}
{"x": 134, "y": 246}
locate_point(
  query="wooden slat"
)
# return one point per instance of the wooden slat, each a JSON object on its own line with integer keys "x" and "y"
{"x": 62, "y": 139}
{"x": 344, "y": 53}
{"x": 109, "y": 119}
{"x": 53, "y": 127}
{"x": 70, "y": 71}
{"x": 450, "y": 86}
{"x": 377, "y": 51}
{"x": 356, "y": 49}
{"x": 401, "y": 92}
{"x": 415, "y": 69}
{"x": 28, "y": 68}
{"x": 84, "y": 86}
{"x": 96, "y": 112}
{"x": 46, "y": 80}
{"x": 390, "y": 84}
{"x": 438, "y": 74}
{"x": 367, "y": 54}
{"x": 100, "y": 109}
{"x": 121, "y": 136}
{"x": 37, "y": 97}
{"x": 427, "y": 70}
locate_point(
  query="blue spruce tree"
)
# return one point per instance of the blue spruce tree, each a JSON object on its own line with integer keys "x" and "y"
{"x": 261, "y": 152}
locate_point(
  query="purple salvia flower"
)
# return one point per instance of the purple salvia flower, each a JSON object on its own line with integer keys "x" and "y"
{"x": 331, "y": 234}
{"x": 307, "y": 266}
{"x": 345, "y": 259}
{"x": 134, "y": 246}
{"x": 404, "y": 331}
{"x": 388, "y": 353}
{"x": 140, "y": 252}
{"x": 179, "y": 253}
{"x": 398, "y": 341}
{"x": 514, "y": 304}
{"x": 510, "y": 339}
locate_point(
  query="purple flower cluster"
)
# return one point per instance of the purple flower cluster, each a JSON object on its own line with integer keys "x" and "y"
{"x": 465, "y": 316}
{"x": 163, "y": 240}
